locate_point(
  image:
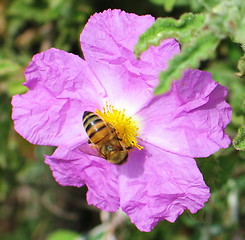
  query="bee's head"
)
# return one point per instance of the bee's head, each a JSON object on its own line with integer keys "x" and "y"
{"x": 114, "y": 154}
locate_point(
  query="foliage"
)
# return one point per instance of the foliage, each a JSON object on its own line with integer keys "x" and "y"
{"x": 198, "y": 35}
{"x": 239, "y": 141}
{"x": 212, "y": 37}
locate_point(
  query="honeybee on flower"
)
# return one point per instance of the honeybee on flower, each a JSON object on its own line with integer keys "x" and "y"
{"x": 162, "y": 134}
{"x": 104, "y": 138}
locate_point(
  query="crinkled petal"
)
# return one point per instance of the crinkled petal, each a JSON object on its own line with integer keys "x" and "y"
{"x": 61, "y": 88}
{"x": 74, "y": 168}
{"x": 156, "y": 185}
{"x": 190, "y": 119}
{"x": 108, "y": 40}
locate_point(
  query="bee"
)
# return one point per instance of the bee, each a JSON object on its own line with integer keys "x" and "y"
{"x": 104, "y": 138}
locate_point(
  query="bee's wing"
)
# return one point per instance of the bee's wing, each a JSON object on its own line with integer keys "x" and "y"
{"x": 89, "y": 149}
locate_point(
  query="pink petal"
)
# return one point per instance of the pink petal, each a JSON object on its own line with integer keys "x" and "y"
{"x": 190, "y": 119}
{"x": 108, "y": 40}
{"x": 156, "y": 185}
{"x": 61, "y": 88}
{"x": 73, "y": 168}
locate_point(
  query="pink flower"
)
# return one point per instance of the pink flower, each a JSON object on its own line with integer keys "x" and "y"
{"x": 157, "y": 182}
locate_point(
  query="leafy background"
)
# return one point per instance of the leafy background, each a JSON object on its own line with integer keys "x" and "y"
{"x": 33, "y": 205}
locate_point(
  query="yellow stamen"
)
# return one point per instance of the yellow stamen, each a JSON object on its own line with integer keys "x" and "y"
{"x": 126, "y": 127}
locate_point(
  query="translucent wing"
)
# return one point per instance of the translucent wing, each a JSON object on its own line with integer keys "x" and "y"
{"x": 89, "y": 149}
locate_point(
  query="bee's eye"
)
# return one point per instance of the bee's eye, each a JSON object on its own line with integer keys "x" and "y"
{"x": 109, "y": 148}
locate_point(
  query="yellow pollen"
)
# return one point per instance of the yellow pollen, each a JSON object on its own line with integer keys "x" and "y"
{"x": 126, "y": 127}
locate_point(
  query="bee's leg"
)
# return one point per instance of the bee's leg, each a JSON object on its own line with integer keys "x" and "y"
{"x": 128, "y": 148}
{"x": 89, "y": 142}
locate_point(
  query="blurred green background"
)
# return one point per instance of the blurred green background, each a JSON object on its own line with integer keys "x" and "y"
{"x": 33, "y": 205}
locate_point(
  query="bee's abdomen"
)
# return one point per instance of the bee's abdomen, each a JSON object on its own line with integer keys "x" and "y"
{"x": 95, "y": 127}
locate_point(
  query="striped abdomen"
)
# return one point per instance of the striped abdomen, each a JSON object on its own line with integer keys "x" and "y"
{"x": 95, "y": 127}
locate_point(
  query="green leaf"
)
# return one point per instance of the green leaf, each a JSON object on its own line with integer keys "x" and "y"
{"x": 11, "y": 77}
{"x": 14, "y": 86}
{"x": 7, "y": 67}
{"x": 183, "y": 30}
{"x": 168, "y": 4}
{"x": 241, "y": 67}
{"x": 159, "y": 2}
{"x": 63, "y": 235}
{"x": 230, "y": 19}
{"x": 210, "y": 169}
{"x": 223, "y": 72}
{"x": 190, "y": 57}
{"x": 239, "y": 140}
{"x": 193, "y": 5}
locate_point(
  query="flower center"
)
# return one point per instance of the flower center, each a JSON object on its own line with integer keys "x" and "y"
{"x": 126, "y": 127}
